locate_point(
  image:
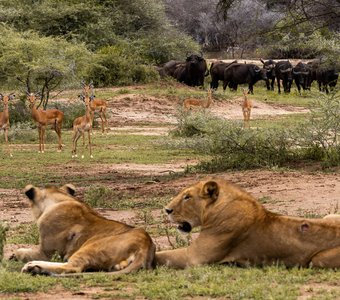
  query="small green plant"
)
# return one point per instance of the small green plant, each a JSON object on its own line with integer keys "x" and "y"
{"x": 3, "y": 230}
{"x": 24, "y": 234}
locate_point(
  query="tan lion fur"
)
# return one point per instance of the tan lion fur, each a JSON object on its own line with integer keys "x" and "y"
{"x": 82, "y": 237}
{"x": 236, "y": 228}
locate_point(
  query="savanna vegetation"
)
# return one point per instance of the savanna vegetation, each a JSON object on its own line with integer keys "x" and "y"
{"x": 50, "y": 46}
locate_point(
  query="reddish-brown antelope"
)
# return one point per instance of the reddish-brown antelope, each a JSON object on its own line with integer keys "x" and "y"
{"x": 43, "y": 118}
{"x": 4, "y": 116}
{"x": 246, "y": 108}
{"x": 96, "y": 104}
{"x": 83, "y": 124}
{"x": 190, "y": 103}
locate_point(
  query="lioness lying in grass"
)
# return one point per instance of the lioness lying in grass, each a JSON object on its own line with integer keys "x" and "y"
{"x": 85, "y": 240}
{"x": 236, "y": 228}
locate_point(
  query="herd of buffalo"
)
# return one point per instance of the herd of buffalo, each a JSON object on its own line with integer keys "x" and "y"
{"x": 193, "y": 70}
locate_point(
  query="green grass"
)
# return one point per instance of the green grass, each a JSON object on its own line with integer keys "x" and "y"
{"x": 209, "y": 281}
{"x": 29, "y": 166}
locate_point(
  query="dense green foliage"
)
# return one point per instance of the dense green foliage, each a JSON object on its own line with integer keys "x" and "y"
{"x": 48, "y": 45}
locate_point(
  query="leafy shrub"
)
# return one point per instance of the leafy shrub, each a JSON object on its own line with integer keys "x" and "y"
{"x": 231, "y": 146}
{"x": 114, "y": 66}
{"x": 100, "y": 196}
{"x": 71, "y": 112}
{"x": 321, "y": 135}
{"x": 19, "y": 111}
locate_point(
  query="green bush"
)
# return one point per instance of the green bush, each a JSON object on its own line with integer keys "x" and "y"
{"x": 71, "y": 112}
{"x": 321, "y": 135}
{"x": 114, "y": 66}
{"x": 19, "y": 112}
{"x": 231, "y": 146}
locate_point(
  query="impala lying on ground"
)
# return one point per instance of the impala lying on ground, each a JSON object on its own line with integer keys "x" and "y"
{"x": 190, "y": 103}
{"x": 44, "y": 118}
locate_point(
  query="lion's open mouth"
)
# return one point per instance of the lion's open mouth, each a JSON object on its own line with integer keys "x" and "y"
{"x": 185, "y": 227}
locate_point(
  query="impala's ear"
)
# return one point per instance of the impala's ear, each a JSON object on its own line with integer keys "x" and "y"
{"x": 211, "y": 190}
{"x": 11, "y": 96}
{"x": 1, "y": 96}
{"x": 81, "y": 97}
{"x": 69, "y": 189}
{"x": 31, "y": 192}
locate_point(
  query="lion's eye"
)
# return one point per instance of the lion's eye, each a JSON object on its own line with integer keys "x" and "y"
{"x": 186, "y": 197}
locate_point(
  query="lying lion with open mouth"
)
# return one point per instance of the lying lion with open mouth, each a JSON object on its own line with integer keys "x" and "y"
{"x": 85, "y": 240}
{"x": 236, "y": 228}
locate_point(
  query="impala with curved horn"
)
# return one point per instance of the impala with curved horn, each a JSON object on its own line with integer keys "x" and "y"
{"x": 44, "y": 118}
{"x": 96, "y": 104}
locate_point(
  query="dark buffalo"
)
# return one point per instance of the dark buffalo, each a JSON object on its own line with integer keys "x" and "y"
{"x": 169, "y": 68}
{"x": 301, "y": 75}
{"x": 284, "y": 72}
{"x": 195, "y": 70}
{"x": 237, "y": 74}
{"x": 269, "y": 65}
{"x": 191, "y": 71}
{"x": 217, "y": 72}
{"x": 325, "y": 75}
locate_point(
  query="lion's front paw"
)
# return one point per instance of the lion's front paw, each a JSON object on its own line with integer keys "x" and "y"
{"x": 34, "y": 268}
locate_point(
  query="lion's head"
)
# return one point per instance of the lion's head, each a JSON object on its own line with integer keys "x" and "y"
{"x": 41, "y": 199}
{"x": 188, "y": 207}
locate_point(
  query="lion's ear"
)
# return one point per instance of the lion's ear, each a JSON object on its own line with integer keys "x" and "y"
{"x": 211, "y": 190}
{"x": 31, "y": 192}
{"x": 69, "y": 189}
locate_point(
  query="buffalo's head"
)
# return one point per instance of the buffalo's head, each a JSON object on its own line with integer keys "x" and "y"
{"x": 262, "y": 73}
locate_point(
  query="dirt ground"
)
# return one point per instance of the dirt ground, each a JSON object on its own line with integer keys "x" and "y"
{"x": 298, "y": 193}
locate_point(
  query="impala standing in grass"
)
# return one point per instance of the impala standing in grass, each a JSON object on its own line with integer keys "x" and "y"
{"x": 4, "y": 116}
{"x": 96, "y": 104}
{"x": 44, "y": 118}
{"x": 83, "y": 124}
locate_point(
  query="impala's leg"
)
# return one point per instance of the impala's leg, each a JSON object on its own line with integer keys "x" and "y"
{"x": 104, "y": 115}
{"x": 76, "y": 135}
{"x": 92, "y": 119}
{"x": 39, "y": 133}
{"x": 58, "y": 131}
{"x": 101, "y": 119}
{"x": 90, "y": 145}
{"x": 43, "y": 129}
